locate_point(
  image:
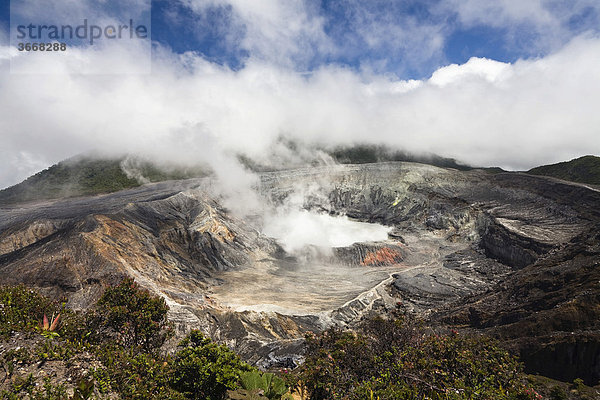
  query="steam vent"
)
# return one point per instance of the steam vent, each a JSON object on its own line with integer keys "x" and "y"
{"x": 511, "y": 255}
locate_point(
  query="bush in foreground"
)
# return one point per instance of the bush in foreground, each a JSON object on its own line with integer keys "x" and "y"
{"x": 139, "y": 317}
{"x": 391, "y": 360}
{"x": 23, "y": 309}
{"x": 116, "y": 349}
{"x": 118, "y": 342}
{"x": 203, "y": 369}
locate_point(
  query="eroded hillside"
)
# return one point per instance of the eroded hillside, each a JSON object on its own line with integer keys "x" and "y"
{"x": 465, "y": 247}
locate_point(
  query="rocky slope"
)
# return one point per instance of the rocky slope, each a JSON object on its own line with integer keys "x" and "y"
{"x": 548, "y": 311}
{"x": 584, "y": 169}
{"x": 467, "y": 247}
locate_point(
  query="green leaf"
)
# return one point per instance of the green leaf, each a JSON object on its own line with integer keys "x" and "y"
{"x": 253, "y": 380}
{"x": 277, "y": 388}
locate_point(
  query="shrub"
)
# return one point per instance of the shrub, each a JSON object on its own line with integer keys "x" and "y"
{"x": 392, "y": 360}
{"x": 22, "y": 309}
{"x": 134, "y": 375}
{"x": 139, "y": 318}
{"x": 385, "y": 359}
{"x": 578, "y": 385}
{"x": 556, "y": 393}
{"x": 204, "y": 370}
{"x": 335, "y": 363}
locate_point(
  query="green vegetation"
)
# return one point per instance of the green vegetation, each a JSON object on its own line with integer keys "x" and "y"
{"x": 70, "y": 178}
{"x": 82, "y": 176}
{"x": 139, "y": 318}
{"x": 392, "y": 360}
{"x": 557, "y": 390}
{"x": 257, "y": 385}
{"x": 22, "y": 309}
{"x": 116, "y": 345}
{"x": 583, "y": 170}
{"x": 118, "y": 342}
{"x": 367, "y": 153}
{"x": 204, "y": 370}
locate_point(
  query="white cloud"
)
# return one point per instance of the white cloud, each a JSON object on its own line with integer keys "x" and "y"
{"x": 488, "y": 70}
{"x": 282, "y": 32}
{"x": 382, "y": 36}
{"x": 277, "y": 30}
{"x": 540, "y": 25}
{"x": 483, "y": 112}
{"x": 296, "y": 33}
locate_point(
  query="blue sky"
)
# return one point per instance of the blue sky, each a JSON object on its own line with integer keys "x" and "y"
{"x": 407, "y": 38}
{"x": 416, "y": 37}
{"x": 507, "y": 83}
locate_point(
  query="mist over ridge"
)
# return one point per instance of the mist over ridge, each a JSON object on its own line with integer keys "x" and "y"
{"x": 483, "y": 113}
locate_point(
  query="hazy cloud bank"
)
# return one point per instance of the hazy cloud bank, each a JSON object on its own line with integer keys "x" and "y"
{"x": 482, "y": 112}
{"x": 189, "y": 109}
